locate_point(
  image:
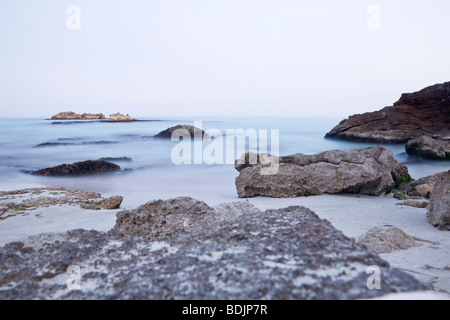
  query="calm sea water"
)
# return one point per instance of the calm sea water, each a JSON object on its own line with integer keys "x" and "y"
{"x": 153, "y": 173}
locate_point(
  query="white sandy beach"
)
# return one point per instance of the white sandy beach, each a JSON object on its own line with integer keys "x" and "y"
{"x": 353, "y": 215}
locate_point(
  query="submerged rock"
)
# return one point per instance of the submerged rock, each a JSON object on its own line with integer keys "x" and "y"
{"x": 191, "y": 130}
{"x": 371, "y": 171}
{"x": 274, "y": 255}
{"x": 385, "y": 240}
{"x": 79, "y": 168}
{"x": 439, "y": 209}
{"x": 426, "y": 112}
{"x": 429, "y": 147}
{"x": 69, "y": 115}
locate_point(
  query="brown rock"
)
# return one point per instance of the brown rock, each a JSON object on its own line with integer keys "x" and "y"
{"x": 425, "y": 112}
{"x": 414, "y": 203}
{"x": 385, "y": 240}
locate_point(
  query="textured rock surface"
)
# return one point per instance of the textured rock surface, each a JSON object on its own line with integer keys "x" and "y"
{"x": 21, "y": 202}
{"x": 425, "y": 112}
{"x": 69, "y": 115}
{"x": 429, "y": 147}
{"x": 384, "y": 240}
{"x": 364, "y": 171}
{"x": 439, "y": 209}
{"x": 173, "y": 216}
{"x": 79, "y": 168}
{"x": 193, "y": 131}
{"x": 279, "y": 254}
{"x": 118, "y": 117}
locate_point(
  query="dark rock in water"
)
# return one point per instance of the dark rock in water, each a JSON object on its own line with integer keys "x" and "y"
{"x": 372, "y": 171}
{"x": 193, "y": 132}
{"x": 58, "y": 144}
{"x": 274, "y": 255}
{"x": 439, "y": 209}
{"x": 116, "y": 159}
{"x": 429, "y": 147}
{"x": 426, "y": 112}
{"x": 69, "y": 115}
{"x": 53, "y": 144}
{"x": 79, "y": 168}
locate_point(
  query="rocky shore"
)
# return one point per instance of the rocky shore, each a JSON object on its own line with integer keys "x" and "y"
{"x": 422, "y": 113}
{"x": 282, "y": 254}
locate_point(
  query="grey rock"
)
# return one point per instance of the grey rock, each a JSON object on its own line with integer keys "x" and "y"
{"x": 274, "y": 255}
{"x": 173, "y": 216}
{"x": 372, "y": 171}
{"x": 191, "y": 130}
{"x": 439, "y": 209}
{"x": 385, "y": 240}
{"x": 429, "y": 147}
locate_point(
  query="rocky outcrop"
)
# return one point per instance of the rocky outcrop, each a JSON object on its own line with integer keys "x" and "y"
{"x": 370, "y": 171}
{"x": 385, "y": 240}
{"x": 69, "y": 115}
{"x": 118, "y": 117}
{"x": 429, "y": 147}
{"x": 439, "y": 209}
{"x": 425, "y": 112}
{"x": 194, "y": 132}
{"x": 79, "y": 168}
{"x": 173, "y": 216}
{"x": 285, "y": 254}
{"x": 22, "y": 202}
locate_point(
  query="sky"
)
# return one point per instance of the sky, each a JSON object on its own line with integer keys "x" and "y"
{"x": 155, "y": 58}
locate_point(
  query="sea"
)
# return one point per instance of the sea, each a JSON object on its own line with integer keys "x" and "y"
{"x": 31, "y": 144}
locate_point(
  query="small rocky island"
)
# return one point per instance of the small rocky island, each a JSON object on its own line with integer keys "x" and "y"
{"x": 115, "y": 117}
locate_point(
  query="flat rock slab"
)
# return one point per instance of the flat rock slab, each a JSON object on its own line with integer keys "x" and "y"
{"x": 278, "y": 254}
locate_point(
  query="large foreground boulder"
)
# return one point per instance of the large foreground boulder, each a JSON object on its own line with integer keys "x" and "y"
{"x": 79, "y": 168}
{"x": 425, "y": 112}
{"x": 439, "y": 209}
{"x": 429, "y": 147}
{"x": 274, "y": 255}
{"x": 363, "y": 171}
{"x": 69, "y": 115}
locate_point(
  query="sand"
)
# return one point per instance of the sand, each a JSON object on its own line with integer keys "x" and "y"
{"x": 353, "y": 215}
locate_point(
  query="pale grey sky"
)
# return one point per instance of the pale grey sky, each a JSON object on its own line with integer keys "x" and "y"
{"x": 218, "y": 57}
